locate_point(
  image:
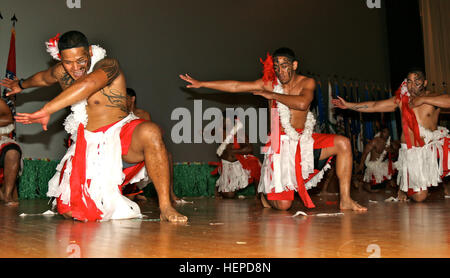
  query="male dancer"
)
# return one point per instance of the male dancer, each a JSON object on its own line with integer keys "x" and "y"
{"x": 238, "y": 167}
{"x": 293, "y": 165}
{"x": 378, "y": 169}
{"x": 10, "y": 158}
{"x": 88, "y": 180}
{"x": 131, "y": 105}
{"x": 424, "y": 155}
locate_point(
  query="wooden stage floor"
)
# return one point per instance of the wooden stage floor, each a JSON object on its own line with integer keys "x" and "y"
{"x": 238, "y": 228}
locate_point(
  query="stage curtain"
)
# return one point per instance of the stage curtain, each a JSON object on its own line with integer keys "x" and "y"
{"x": 436, "y": 30}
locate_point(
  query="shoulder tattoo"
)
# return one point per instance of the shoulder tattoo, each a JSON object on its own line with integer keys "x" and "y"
{"x": 110, "y": 67}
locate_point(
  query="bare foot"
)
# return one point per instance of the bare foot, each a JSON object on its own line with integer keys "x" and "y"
{"x": 67, "y": 215}
{"x": 12, "y": 204}
{"x": 171, "y": 215}
{"x": 349, "y": 204}
{"x": 401, "y": 196}
{"x": 174, "y": 197}
{"x": 141, "y": 198}
{"x": 447, "y": 188}
{"x": 264, "y": 201}
{"x": 9, "y": 201}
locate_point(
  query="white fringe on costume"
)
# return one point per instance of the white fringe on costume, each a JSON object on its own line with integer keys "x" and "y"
{"x": 420, "y": 167}
{"x": 282, "y": 177}
{"x": 232, "y": 177}
{"x": 7, "y": 129}
{"x": 378, "y": 169}
{"x": 104, "y": 168}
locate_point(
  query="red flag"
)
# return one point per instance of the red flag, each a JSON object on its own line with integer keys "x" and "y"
{"x": 11, "y": 66}
{"x": 11, "y": 74}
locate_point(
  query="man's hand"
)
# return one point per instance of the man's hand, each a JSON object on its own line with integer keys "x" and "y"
{"x": 266, "y": 94}
{"x": 417, "y": 101}
{"x": 40, "y": 117}
{"x": 340, "y": 103}
{"x": 194, "y": 83}
{"x": 12, "y": 85}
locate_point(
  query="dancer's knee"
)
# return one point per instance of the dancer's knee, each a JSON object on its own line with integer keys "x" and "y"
{"x": 12, "y": 156}
{"x": 149, "y": 130}
{"x": 282, "y": 204}
{"x": 420, "y": 196}
{"x": 343, "y": 144}
{"x": 228, "y": 195}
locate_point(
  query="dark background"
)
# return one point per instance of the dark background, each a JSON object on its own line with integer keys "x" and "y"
{"x": 155, "y": 41}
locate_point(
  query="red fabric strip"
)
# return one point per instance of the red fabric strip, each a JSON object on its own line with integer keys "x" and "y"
{"x": 81, "y": 210}
{"x": 409, "y": 122}
{"x": 390, "y": 168}
{"x": 126, "y": 134}
{"x": 251, "y": 163}
{"x": 219, "y": 166}
{"x": 445, "y": 149}
{"x": 300, "y": 182}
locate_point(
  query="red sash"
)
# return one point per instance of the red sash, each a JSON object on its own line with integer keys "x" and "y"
{"x": 445, "y": 149}
{"x": 80, "y": 209}
{"x": 409, "y": 121}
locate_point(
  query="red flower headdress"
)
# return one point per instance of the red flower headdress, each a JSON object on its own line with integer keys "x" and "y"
{"x": 268, "y": 71}
{"x": 52, "y": 47}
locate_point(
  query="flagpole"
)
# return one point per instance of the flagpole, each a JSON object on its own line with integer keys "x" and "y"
{"x": 11, "y": 72}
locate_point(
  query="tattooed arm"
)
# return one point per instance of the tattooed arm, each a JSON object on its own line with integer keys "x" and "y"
{"x": 105, "y": 72}
{"x": 41, "y": 79}
{"x": 386, "y": 105}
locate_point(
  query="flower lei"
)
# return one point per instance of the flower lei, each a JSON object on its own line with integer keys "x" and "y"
{"x": 229, "y": 138}
{"x": 285, "y": 119}
{"x": 78, "y": 114}
{"x": 383, "y": 154}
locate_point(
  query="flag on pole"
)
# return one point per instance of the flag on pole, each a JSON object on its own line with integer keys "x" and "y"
{"x": 11, "y": 70}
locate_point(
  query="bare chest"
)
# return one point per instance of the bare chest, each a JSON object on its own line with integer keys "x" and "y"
{"x": 427, "y": 116}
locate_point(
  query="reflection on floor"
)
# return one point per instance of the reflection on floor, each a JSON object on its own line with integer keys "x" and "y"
{"x": 237, "y": 228}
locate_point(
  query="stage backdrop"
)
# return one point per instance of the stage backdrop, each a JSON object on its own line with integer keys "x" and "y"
{"x": 157, "y": 40}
